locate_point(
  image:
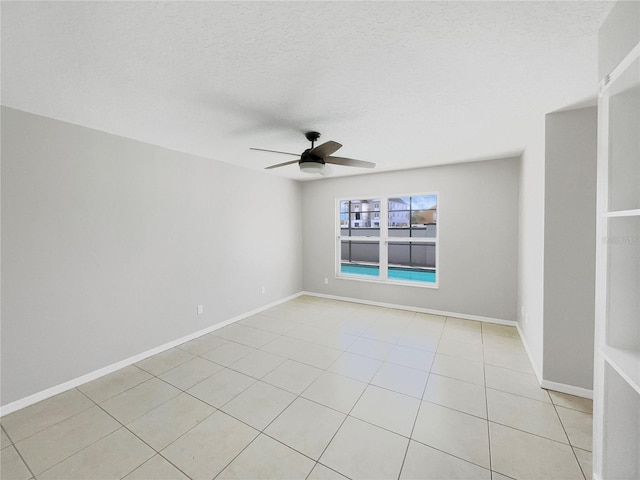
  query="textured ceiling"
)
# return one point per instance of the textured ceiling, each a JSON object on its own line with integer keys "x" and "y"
{"x": 402, "y": 84}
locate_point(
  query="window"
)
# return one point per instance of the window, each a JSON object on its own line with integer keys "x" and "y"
{"x": 397, "y": 244}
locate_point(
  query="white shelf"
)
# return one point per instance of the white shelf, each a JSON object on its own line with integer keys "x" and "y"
{"x": 625, "y": 362}
{"x": 623, "y": 213}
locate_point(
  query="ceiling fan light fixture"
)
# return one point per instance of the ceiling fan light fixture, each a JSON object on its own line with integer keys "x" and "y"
{"x": 311, "y": 167}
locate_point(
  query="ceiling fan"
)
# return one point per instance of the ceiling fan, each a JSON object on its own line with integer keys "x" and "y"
{"x": 313, "y": 159}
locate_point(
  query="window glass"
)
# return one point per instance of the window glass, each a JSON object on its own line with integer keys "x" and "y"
{"x": 360, "y": 258}
{"x": 408, "y": 243}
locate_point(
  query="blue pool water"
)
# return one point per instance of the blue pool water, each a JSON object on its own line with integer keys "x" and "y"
{"x": 393, "y": 273}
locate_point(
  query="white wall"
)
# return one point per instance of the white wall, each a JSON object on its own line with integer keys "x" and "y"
{"x": 478, "y": 223}
{"x": 531, "y": 247}
{"x": 108, "y": 245}
{"x": 569, "y": 247}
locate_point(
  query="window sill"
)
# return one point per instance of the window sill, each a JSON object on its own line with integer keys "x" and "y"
{"x": 407, "y": 283}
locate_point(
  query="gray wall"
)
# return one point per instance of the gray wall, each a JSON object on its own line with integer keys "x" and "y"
{"x": 477, "y": 272}
{"x": 108, "y": 245}
{"x": 569, "y": 246}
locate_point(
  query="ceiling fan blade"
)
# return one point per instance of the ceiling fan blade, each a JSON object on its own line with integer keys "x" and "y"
{"x": 349, "y": 162}
{"x": 325, "y": 149}
{"x": 281, "y": 164}
{"x": 274, "y": 151}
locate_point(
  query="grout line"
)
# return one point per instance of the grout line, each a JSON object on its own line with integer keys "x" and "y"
{"x": 486, "y": 404}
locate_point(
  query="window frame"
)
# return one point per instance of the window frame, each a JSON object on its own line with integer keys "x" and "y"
{"x": 384, "y": 240}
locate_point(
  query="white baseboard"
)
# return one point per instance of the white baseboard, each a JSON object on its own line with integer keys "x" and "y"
{"x": 536, "y": 370}
{"x": 442, "y": 313}
{"x": 570, "y": 389}
{"x": 63, "y": 387}
{"x": 549, "y": 385}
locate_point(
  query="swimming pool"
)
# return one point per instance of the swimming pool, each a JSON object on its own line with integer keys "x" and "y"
{"x": 394, "y": 273}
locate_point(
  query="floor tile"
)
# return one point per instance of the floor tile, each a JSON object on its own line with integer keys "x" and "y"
{"x": 518, "y": 383}
{"x": 420, "y": 341}
{"x": 114, "y": 383}
{"x": 390, "y": 410}
{"x": 463, "y": 396}
{"x": 268, "y": 459}
{"x": 571, "y": 401}
{"x": 11, "y": 465}
{"x": 499, "y": 476}
{"x": 164, "y": 424}
{"x": 156, "y": 468}
{"x": 221, "y": 387}
{"x": 304, "y": 332}
{"x": 135, "y": 402}
{"x": 335, "y": 391}
{"x": 52, "y": 445}
{"x": 292, "y": 376}
{"x": 503, "y": 330}
{"x": 363, "y": 451}
{"x": 383, "y": 333}
{"x": 34, "y": 418}
{"x": 161, "y": 362}
{"x": 426, "y": 323}
{"x": 5, "y": 439}
{"x": 191, "y": 372}
{"x": 531, "y": 416}
{"x": 306, "y": 427}
{"x": 579, "y": 427}
{"x": 454, "y": 323}
{"x": 426, "y": 463}
{"x": 353, "y": 326}
{"x": 500, "y": 341}
{"x": 461, "y": 350}
{"x": 529, "y": 457}
{"x": 258, "y": 405}
{"x": 228, "y": 353}
{"x": 371, "y": 348}
{"x": 192, "y": 453}
{"x": 336, "y": 339}
{"x": 318, "y": 356}
{"x": 320, "y": 472}
{"x": 507, "y": 357}
{"x": 257, "y": 364}
{"x": 252, "y": 337}
{"x": 355, "y": 366}
{"x": 285, "y": 346}
{"x": 112, "y": 457}
{"x": 453, "y": 432}
{"x": 459, "y": 368}
{"x": 274, "y": 325}
{"x": 411, "y": 357}
{"x": 401, "y": 379}
{"x": 462, "y": 335}
{"x": 202, "y": 344}
{"x": 585, "y": 461}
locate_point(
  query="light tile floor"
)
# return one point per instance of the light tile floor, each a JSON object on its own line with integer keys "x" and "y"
{"x": 315, "y": 389}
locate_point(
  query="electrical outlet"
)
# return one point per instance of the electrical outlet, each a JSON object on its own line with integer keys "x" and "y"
{"x": 264, "y": 289}
{"x": 200, "y": 309}
{"x": 326, "y": 281}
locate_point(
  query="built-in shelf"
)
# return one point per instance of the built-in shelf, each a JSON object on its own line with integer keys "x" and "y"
{"x": 626, "y": 363}
{"x": 621, "y": 435}
{"x": 616, "y": 454}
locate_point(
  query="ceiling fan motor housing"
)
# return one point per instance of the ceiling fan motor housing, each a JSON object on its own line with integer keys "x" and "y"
{"x": 307, "y": 157}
